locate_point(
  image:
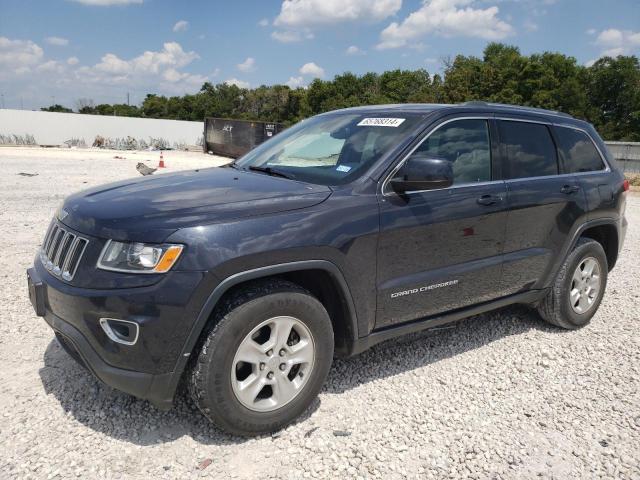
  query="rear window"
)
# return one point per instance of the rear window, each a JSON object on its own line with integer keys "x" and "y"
{"x": 529, "y": 148}
{"x": 577, "y": 151}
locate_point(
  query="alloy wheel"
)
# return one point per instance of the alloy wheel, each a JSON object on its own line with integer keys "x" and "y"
{"x": 585, "y": 285}
{"x": 272, "y": 364}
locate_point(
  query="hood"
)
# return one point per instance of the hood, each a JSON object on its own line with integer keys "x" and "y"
{"x": 151, "y": 208}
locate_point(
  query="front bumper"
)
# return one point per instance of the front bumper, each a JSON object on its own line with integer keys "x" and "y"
{"x": 155, "y": 388}
{"x": 164, "y": 312}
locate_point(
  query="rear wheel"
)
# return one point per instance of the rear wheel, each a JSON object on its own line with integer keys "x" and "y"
{"x": 579, "y": 287}
{"x": 265, "y": 359}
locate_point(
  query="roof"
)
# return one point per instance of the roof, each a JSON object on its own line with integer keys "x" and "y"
{"x": 424, "y": 108}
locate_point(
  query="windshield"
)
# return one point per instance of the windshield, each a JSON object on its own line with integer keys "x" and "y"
{"x": 329, "y": 149}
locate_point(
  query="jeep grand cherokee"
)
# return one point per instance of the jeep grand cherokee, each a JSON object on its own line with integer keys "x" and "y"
{"x": 349, "y": 228}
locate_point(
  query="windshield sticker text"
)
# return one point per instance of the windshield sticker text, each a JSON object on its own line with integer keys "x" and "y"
{"x": 381, "y": 122}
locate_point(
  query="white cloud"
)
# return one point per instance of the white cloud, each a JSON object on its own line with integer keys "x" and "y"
{"x": 50, "y": 66}
{"x": 147, "y": 68}
{"x": 18, "y": 56}
{"x": 290, "y": 36}
{"x": 353, "y": 50}
{"x": 264, "y": 22}
{"x": 57, "y": 41}
{"x": 238, "y": 83}
{"x": 112, "y": 64}
{"x": 172, "y": 75}
{"x": 446, "y": 18}
{"x": 26, "y": 72}
{"x": 614, "y": 42}
{"x": 181, "y": 26}
{"x": 295, "y": 82}
{"x": 107, "y": 3}
{"x": 614, "y": 52}
{"x": 610, "y": 37}
{"x": 592, "y": 31}
{"x": 312, "y": 13}
{"x": 312, "y": 70}
{"x": 249, "y": 65}
{"x": 530, "y": 26}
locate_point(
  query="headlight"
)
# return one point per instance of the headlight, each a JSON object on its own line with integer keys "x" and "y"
{"x": 135, "y": 257}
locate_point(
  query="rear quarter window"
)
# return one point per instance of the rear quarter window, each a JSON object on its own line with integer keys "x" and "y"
{"x": 577, "y": 151}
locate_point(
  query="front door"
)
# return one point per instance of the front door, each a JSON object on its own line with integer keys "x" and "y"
{"x": 441, "y": 249}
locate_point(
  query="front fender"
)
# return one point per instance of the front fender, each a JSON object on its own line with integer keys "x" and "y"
{"x": 240, "y": 277}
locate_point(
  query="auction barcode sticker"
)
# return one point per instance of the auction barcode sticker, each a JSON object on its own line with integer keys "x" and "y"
{"x": 381, "y": 122}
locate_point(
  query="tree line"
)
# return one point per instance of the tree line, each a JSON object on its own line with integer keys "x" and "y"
{"x": 606, "y": 93}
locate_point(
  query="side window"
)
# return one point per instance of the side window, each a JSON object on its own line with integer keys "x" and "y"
{"x": 465, "y": 143}
{"x": 577, "y": 151}
{"x": 529, "y": 148}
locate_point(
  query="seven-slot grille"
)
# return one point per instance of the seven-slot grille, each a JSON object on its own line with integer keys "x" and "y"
{"x": 61, "y": 251}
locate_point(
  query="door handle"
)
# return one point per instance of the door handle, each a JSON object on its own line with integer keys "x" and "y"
{"x": 569, "y": 189}
{"x": 489, "y": 199}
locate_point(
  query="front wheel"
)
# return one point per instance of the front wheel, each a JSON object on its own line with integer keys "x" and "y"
{"x": 579, "y": 287}
{"x": 265, "y": 360}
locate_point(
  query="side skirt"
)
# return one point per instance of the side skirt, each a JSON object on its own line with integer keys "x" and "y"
{"x": 377, "y": 336}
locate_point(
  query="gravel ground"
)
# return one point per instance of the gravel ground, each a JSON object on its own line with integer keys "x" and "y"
{"x": 499, "y": 395}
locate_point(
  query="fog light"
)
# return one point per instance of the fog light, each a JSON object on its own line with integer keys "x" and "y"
{"x": 120, "y": 331}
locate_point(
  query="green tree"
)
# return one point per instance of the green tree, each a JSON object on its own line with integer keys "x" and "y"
{"x": 56, "y": 108}
{"x": 606, "y": 93}
{"x": 613, "y": 90}
{"x": 154, "y": 106}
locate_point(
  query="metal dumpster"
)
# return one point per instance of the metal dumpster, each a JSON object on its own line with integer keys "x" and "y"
{"x": 234, "y": 138}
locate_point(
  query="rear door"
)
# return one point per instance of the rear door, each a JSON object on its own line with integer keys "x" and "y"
{"x": 580, "y": 157}
{"x": 440, "y": 249}
{"x": 543, "y": 204}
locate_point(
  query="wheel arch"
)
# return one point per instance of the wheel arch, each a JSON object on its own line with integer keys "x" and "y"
{"x": 606, "y": 234}
{"x": 589, "y": 229}
{"x": 301, "y": 273}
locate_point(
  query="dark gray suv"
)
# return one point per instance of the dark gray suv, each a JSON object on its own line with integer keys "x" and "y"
{"x": 349, "y": 228}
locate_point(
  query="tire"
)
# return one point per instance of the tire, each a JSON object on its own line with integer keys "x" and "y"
{"x": 558, "y": 307}
{"x": 218, "y": 375}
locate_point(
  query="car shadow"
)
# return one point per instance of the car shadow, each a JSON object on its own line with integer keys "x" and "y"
{"x": 127, "y": 418}
{"x": 430, "y": 346}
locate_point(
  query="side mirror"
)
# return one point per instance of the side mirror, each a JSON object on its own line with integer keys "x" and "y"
{"x": 421, "y": 172}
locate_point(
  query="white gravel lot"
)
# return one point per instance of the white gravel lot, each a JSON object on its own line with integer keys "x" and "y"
{"x": 500, "y": 395}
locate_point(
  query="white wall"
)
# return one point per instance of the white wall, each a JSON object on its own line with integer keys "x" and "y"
{"x": 51, "y": 128}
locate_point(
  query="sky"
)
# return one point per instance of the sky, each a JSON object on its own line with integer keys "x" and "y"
{"x": 61, "y": 51}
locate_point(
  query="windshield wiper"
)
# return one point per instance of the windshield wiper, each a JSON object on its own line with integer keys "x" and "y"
{"x": 233, "y": 165}
{"x": 271, "y": 171}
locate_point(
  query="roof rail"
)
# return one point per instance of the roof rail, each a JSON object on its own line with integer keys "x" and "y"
{"x": 480, "y": 103}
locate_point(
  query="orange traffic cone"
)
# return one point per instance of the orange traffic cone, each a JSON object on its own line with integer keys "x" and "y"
{"x": 161, "y": 162}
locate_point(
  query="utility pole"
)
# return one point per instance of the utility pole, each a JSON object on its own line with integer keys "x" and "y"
{"x": 127, "y": 99}
{"x": 2, "y": 95}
